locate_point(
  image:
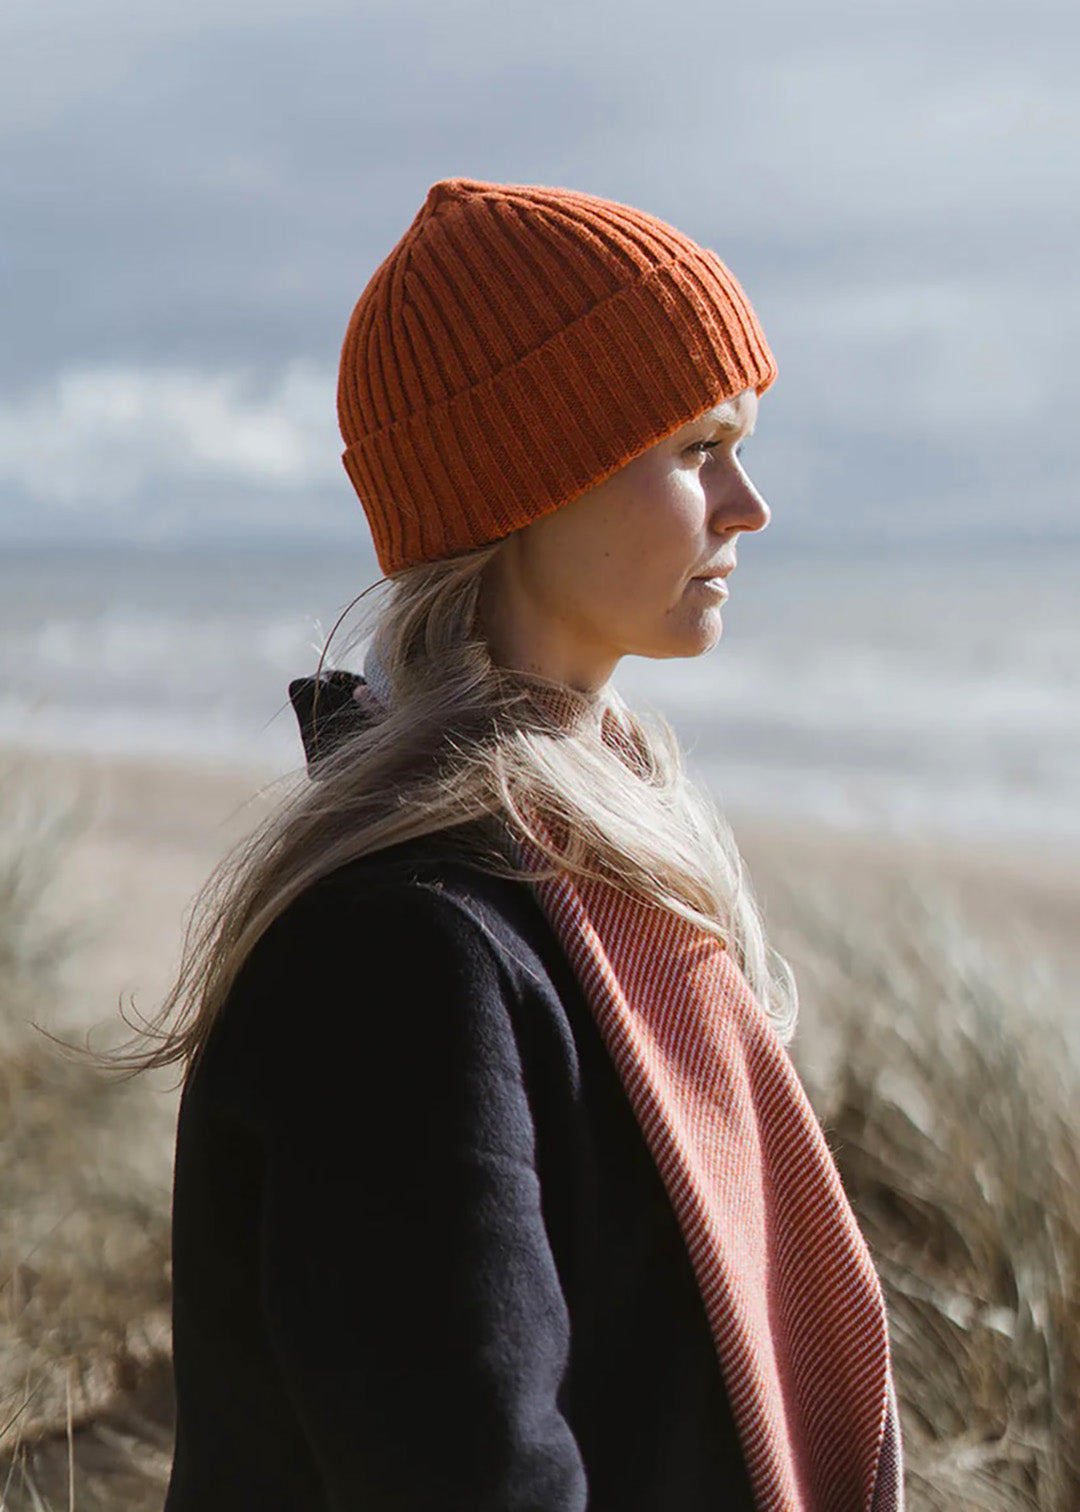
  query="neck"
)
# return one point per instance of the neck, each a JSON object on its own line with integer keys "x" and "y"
{"x": 570, "y": 707}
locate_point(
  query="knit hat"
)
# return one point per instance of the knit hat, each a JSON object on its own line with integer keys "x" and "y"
{"x": 518, "y": 346}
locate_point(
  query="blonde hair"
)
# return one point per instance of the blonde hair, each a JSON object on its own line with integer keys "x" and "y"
{"x": 467, "y": 749}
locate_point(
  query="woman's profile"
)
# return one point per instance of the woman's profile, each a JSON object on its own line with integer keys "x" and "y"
{"x": 495, "y": 1187}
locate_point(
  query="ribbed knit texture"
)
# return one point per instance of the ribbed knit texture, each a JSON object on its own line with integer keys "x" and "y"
{"x": 518, "y": 346}
{"x": 789, "y": 1287}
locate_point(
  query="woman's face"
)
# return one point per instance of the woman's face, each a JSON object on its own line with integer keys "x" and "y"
{"x": 633, "y": 567}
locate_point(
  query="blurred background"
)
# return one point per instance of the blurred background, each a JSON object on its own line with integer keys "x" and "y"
{"x": 192, "y": 197}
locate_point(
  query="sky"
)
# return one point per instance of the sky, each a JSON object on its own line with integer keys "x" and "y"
{"x": 193, "y": 194}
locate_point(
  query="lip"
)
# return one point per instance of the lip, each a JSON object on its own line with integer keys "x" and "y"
{"x": 715, "y": 578}
{"x": 714, "y": 582}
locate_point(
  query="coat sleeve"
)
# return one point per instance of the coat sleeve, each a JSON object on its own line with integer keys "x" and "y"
{"x": 408, "y": 1284}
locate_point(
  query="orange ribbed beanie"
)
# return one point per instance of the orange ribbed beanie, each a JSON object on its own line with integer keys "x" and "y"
{"x": 519, "y": 345}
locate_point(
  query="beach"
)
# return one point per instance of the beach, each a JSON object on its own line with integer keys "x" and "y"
{"x": 147, "y": 833}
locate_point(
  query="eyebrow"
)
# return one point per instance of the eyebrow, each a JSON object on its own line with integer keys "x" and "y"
{"x": 723, "y": 422}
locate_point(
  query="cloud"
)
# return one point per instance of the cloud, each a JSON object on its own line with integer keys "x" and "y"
{"x": 199, "y": 189}
{"x": 938, "y": 358}
{"x": 104, "y": 438}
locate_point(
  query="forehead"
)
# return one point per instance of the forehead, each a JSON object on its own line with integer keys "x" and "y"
{"x": 733, "y": 414}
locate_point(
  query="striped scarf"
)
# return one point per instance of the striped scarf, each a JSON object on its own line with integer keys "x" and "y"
{"x": 789, "y": 1288}
{"x": 790, "y": 1291}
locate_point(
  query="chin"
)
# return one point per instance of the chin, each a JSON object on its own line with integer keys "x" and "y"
{"x": 702, "y": 636}
{"x": 688, "y": 637}
{"x": 689, "y": 644}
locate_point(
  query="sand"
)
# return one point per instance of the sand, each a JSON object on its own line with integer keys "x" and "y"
{"x": 148, "y": 833}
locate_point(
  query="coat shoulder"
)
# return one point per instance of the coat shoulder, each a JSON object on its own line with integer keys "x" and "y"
{"x": 420, "y": 890}
{"x": 408, "y": 953}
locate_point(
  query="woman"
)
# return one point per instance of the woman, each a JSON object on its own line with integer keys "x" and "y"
{"x": 495, "y": 1188}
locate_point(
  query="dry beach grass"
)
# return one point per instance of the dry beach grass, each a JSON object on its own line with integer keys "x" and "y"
{"x": 949, "y": 1091}
{"x": 935, "y": 1038}
{"x": 84, "y": 1286}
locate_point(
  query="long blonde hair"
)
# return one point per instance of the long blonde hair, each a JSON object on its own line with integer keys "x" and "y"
{"x": 465, "y": 747}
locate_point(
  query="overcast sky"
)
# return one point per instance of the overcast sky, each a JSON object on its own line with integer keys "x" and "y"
{"x": 194, "y": 192}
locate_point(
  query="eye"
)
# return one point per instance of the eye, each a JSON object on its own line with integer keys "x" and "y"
{"x": 702, "y": 447}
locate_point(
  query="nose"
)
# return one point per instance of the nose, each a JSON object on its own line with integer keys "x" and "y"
{"x": 739, "y": 506}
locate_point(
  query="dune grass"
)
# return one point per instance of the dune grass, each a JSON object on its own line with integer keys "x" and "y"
{"x": 84, "y": 1286}
{"x": 947, "y": 1082}
{"x": 941, "y": 1069}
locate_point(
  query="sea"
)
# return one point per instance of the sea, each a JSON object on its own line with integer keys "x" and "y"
{"x": 918, "y": 689}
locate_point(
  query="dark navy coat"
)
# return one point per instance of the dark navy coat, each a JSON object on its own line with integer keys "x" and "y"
{"x": 423, "y": 1260}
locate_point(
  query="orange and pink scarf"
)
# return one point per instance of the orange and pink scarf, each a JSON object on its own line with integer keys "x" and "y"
{"x": 791, "y": 1293}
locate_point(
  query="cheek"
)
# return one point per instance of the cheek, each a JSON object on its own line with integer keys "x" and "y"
{"x": 664, "y": 530}
{"x": 624, "y": 552}
{"x": 568, "y": 561}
